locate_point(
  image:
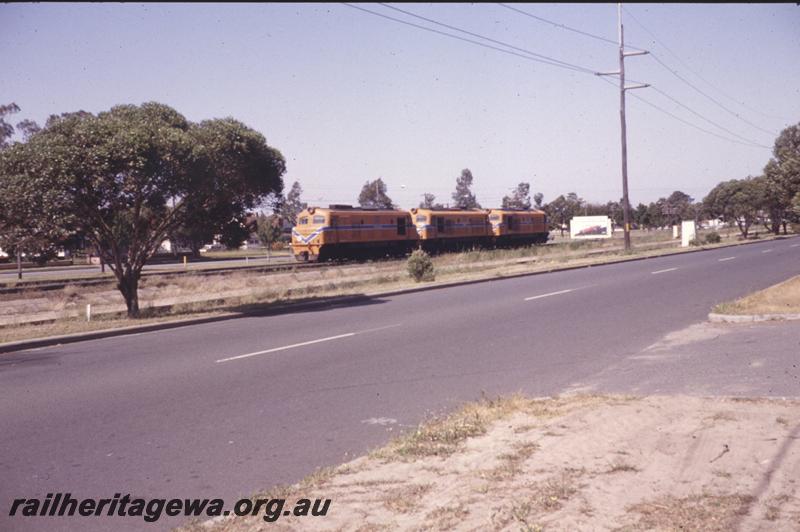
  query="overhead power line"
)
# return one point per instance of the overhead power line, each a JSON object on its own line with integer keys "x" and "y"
{"x": 448, "y": 26}
{"x": 531, "y": 56}
{"x": 540, "y": 58}
{"x": 565, "y": 27}
{"x": 690, "y": 84}
{"x": 707, "y": 119}
{"x": 660, "y": 62}
{"x": 695, "y": 126}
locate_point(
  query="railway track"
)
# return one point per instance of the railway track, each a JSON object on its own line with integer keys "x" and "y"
{"x": 110, "y": 281}
{"x": 46, "y": 285}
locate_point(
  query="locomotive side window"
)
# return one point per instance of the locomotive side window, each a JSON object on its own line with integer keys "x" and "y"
{"x": 494, "y": 217}
{"x": 421, "y": 218}
{"x": 401, "y": 226}
{"x": 319, "y": 219}
{"x": 440, "y": 224}
{"x": 303, "y": 220}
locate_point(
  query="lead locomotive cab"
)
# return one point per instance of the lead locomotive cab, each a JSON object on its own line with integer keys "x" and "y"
{"x": 343, "y": 231}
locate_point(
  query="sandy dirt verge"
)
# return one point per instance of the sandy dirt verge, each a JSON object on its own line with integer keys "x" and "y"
{"x": 580, "y": 462}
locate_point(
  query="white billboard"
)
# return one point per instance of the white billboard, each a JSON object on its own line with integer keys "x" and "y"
{"x": 584, "y": 227}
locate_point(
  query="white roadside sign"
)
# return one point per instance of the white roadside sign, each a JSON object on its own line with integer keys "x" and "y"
{"x": 688, "y": 232}
{"x": 585, "y": 227}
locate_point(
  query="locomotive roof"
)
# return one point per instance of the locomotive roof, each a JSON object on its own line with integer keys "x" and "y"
{"x": 350, "y": 208}
{"x": 515, "y": 210}
{"x": 450, "y": 210}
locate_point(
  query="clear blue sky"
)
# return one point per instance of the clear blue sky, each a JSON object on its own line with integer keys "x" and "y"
{"x": 347, "y": 96}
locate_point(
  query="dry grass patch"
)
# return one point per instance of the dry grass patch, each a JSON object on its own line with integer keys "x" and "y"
{"x": 620, "y": 466}
{"x": 405, "y": 498}
{"x": 442, "y": 436}
{"x": 774, "y": 505}
{"x": 539, "y": 499}
{"x": 446, "y": 517}
{"x": 709, "y": 513}
{"x": 782, "y": 298}
{"x": 511, "y": 462}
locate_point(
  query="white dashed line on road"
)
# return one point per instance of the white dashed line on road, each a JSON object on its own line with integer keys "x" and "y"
{"x": 550, "y": 294}
{"x": 285, "y": 347}
{"x": 301, "y": 344}
{"x": 766, "y": 251}
{"x": 794, "y": 245}
{"x": 726, "y": 258}
{"x": 664, "y": 271}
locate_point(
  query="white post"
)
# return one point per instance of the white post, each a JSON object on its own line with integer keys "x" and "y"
{"x": 688, "y": 232}
{"x": 88, "y": 312}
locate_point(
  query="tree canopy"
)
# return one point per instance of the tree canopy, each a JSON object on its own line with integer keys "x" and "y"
{"x": 289, "y": 208}
{"x": 373, "y": 195}
{"x": 463, "y": 196}
{"x": 782, "y": 174}
{"x": 520, "y": 198}
{"x": 126, "y": 178}
{"x": 27, "y": 227}
{"x": 6, "y": 129}
{"x": 736, "y": 201}
{"x": 429, "y": 202}
{"x": 561, "y": 210}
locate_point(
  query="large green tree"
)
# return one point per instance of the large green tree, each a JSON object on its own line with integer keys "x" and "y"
{"x": 26, "y": 227}
{"x": 290, "y": 207}
{"x": 738, "y": 201}
{"x": 269, "y": 230}
{"x": 678, "y": 207}
{"x": 782, "y": 173}
{"x": 520, "y": 197}
{"x": 429, "y": 202}
{"x": 373, "y": 195}
{"x": 561, "y": 210}
{"x": 463, "y": 196}
{"x": 130, "y": 176}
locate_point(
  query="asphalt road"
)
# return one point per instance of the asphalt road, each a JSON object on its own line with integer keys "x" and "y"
{"x": 228, "y": 408}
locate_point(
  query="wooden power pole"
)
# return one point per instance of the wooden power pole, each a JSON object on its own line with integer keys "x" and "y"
{"x": 626, "y": 207}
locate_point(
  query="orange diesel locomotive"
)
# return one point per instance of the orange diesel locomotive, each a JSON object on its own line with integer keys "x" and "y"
{"x": 343, "y": 232}
{"x": 451, "y": 229}
{"x": 518, "y": 227}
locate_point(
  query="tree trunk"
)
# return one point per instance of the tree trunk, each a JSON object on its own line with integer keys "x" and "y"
{"x": 19, "y": 264}
{"x": 129, "y": 287}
